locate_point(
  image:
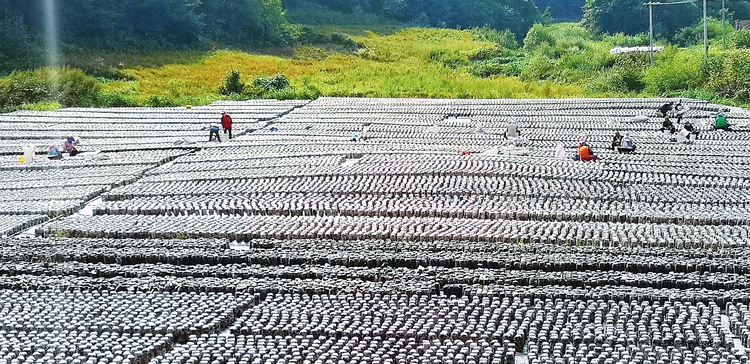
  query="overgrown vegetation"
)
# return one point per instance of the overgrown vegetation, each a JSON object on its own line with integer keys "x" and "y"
{"x": 549, "y": 60}
{"x": 63, "y": 86}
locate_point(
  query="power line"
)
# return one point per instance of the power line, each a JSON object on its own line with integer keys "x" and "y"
{"x": 674, "y": 3}
{"x": 651, "y": 5}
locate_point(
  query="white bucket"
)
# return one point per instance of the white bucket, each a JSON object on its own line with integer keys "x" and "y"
{"x": 29, "y": 153}
{"x": 560, "y": 151}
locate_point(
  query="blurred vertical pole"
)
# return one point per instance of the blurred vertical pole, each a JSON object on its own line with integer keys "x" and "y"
{"x": 50, "y": 30}
{"x": 705, "y": 29}
{"x": 651, "y": 32}
{"x": 53, "y": 47}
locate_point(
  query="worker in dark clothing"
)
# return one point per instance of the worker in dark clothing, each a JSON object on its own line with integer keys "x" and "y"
{"x": 688, "y": 133}
{"x": 665, "y": 109}
{"x": 679, "y": 111}
{"x": 667, "y": 126}
{"x": 626, "y": 145}
{"x": 214, "y": 132}
{"x": 616, "y": 141}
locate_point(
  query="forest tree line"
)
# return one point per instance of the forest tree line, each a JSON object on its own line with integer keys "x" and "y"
{"x": 117, "y": 25}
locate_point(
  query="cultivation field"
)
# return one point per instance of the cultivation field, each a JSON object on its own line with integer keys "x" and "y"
{"x": 423, "y": 242}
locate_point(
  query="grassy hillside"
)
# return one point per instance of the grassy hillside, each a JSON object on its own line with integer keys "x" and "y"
{"x": 342, "y": 56}
{"x": 409, "y": 63}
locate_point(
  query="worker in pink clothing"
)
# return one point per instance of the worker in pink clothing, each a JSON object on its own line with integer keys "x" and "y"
{"x": 70, "y": 146}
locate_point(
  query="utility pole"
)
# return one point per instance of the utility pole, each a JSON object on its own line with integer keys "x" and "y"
{"x": 651, "y": 4}
{"x": 723, "y": 29}
{"x": 651, "y": 32}
{"x": 705, "y": 28}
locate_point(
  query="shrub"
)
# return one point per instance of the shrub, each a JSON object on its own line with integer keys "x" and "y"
{"x": 160, "y": 101}
{"x": 101, "y": 99}
{"x": 282, "y": 94}
{"x": 274, "y": 83}
{"x": 739, "y": 39}
{"x": 71, "y": 85}
{"x": 674, "y": 71}
{"x": 231, "y": 83}
{"x": 276, "y": 86}
{"x": 569, "y": 46}
{"x": 571, "y": 76}
{"x": 515, "y": 67}
{"x": 487, "y": 68}
{"x": 693, "y": 35}
{"x": 345, "y": 41}
{"x": 688, "y": 36}
{"x": 578, "y": 61}
{"x": 45, "y": 105}
{"x": 625, "y": 77}
{"x": 711, "y": 66}
{"x": 539, "y": 67}
{"x": 64, "y": 85}
{"x": 623, "y": 40}
{"x": 308, "y": 92}
{"x": 506, "y": 39}
{"x": 487, "y": 53}
{"x": 606, "y": 82}
{"x": 508, "y": 66}
{"x": 538, "y": 36}
{"x": 448, "y": 58}
{"x": 733, "y": 79}
{"x": 307, "y": 35}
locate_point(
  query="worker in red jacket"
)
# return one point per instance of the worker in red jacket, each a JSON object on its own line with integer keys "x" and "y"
{"x": 226, "y": 123}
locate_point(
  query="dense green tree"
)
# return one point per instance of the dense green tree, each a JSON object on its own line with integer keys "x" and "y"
{"x": 20, "y": 47}
{"x": 516, "y": 15}
{"x": 631, "y": 17}
{"x": 736, "y": 10}
{"x": 251, "y": 22}
{"x": 163, "y": 21}
{"x": 98, "y": 23}
{"x": 616, "y": 16}
{"x": 668, "y": 20}
{"x": 112, "y": 24}
{"x": 563, "y": 10}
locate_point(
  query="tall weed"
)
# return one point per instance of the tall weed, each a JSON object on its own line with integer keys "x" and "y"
{"x": 732, "y": 79}
{"x": 66, "y": 86}
{"x": 739, "y": 39}
{"x": 674, "y": 70}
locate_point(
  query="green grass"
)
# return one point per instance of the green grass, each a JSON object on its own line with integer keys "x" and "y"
{"x": 397, "y": 65}
{"x": 46, "y": 105}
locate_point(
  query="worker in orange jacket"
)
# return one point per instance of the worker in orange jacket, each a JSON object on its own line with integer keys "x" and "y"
{"x": 584, "y": 151}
